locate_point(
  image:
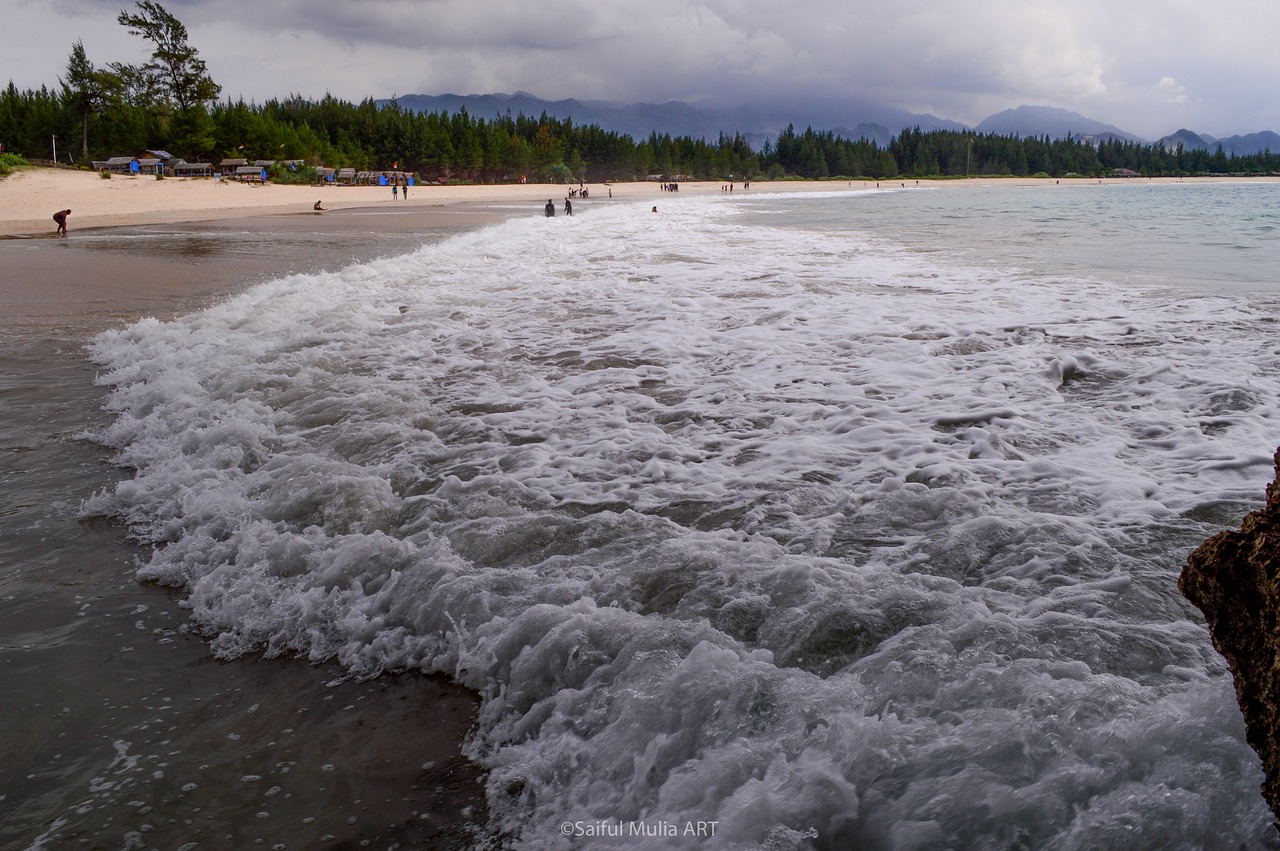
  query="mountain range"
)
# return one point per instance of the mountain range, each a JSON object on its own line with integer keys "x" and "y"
{"x": 761, "y": 122}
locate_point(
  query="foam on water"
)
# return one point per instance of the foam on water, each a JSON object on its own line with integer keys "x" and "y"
{"x": 790, "y": 529}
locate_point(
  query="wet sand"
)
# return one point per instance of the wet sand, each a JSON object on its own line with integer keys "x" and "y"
{"x": 120, "y": 728}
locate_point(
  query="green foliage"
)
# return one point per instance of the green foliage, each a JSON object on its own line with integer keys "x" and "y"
{"x": 176, "y": 73}
{"x": 303, "y": 175}
{"x": 560, "y": 173}
{"x": 88, "y": 90}
{"x": 8, "y": 162}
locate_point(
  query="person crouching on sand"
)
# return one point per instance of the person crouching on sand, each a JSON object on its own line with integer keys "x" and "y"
{"x": 318, "y": 208}
{"x": 61, "y": 218}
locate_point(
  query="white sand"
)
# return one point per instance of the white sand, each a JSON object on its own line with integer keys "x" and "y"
{"x": 30, "y": 197}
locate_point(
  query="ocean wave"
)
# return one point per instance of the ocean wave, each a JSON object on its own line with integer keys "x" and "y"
{"x": 795, "y": 531}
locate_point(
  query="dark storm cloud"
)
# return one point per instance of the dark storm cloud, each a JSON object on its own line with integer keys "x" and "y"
{"x": 1137, "y": 65}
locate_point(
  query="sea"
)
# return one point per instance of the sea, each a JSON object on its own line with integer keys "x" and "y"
{"x": 774, "y": 520}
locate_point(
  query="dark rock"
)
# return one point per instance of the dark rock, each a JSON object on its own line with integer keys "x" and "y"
{"x": 1234, "y": 578}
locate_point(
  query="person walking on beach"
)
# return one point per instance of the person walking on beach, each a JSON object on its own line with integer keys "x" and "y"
{"x": 61, "y": 218}
{"x": 550, "y": 209}
{"x": 395, "y": 191}
{"x": 404, "y": 192}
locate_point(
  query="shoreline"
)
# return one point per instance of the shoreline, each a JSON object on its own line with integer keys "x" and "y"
{"x": 29, "y": 197}
{"x": 94, "y": 657}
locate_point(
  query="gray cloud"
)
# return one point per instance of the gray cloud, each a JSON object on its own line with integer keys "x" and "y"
{"x": 1143, "y": 66}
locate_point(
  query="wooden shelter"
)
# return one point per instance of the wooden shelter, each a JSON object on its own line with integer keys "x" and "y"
{"x": 182, "y": 168}
{"x": 115, "y": 165}
{"x": 249, "y": 174}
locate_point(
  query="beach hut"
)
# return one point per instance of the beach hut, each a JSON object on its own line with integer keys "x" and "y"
{"x": 116, "y": 165}
{"x": 229, "y": 166}
{"x": 326, "y": 175}
{"x": 346, "y": 175}
{"x": 249, "y": 174}
{"x": 182, "y": 168}
{"x": 150, "y": 165}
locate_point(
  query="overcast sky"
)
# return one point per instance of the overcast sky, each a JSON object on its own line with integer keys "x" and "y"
{"x": 1147, "y": 67}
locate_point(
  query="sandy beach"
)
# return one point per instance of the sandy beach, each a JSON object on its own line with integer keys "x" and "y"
{"x": 29, "y": 198}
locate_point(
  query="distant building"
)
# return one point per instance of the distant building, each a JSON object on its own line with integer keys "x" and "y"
{"x": 115, "y": 165}
{"x": 182, "y": 168}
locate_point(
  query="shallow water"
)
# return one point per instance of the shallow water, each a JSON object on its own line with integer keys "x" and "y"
{"x": 121, "y": 730}
{"x": 1203, "y": 237}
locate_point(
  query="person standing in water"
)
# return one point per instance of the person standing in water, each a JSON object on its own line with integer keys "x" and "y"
{"x": 568, "y": 207}
{"x": 550, "y": 209}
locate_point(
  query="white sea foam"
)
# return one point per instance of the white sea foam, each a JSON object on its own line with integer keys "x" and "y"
{"x": 785, "y": 528}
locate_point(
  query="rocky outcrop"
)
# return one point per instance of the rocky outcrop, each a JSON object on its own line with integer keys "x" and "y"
{"x": 1234, "y": 578}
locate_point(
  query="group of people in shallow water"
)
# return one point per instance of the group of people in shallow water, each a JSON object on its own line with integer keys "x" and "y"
{"x": 550, "y": 209}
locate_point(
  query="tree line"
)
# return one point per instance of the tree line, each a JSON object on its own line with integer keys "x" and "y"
{"x": 171, "y": 103}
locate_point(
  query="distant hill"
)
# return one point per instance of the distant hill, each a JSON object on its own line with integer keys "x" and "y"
{"x": 1253, "y": 143}
{"x": 762, "y": 121}
{"x": 757, "y": 122}
{"x": 1052, "y": 122}
{"x": 1187, "y": 139}
{"x": 877, "y": 133}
